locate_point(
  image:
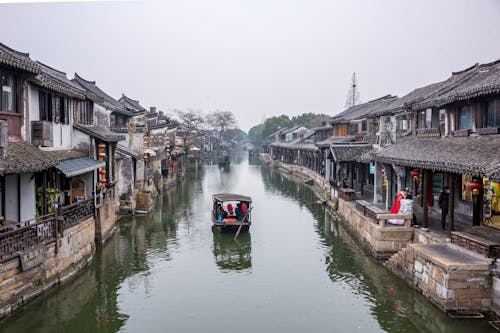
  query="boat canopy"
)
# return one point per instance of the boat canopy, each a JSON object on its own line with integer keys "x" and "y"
{"x": 231, "y": 197}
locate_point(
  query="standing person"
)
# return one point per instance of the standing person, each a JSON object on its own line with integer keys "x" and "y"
{"x": 443, "y": 202}
{"x": 244, "y": 209}
{"x": 397, "y": 203}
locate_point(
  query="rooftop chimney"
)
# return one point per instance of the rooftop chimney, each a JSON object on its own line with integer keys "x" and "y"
{"x": 152, "y": 110}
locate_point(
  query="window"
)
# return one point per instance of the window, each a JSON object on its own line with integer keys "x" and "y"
{"x": 442, "y": 121}
{"x": 45, "y": 105}
{"x": 363, "y": 126}
{"x": 465, "y": 118}
{"x": 85, "y": 112}
{"x": 353, "y": 129}
{"x": 8, "y": 92}
{"x": 493, "y": 115}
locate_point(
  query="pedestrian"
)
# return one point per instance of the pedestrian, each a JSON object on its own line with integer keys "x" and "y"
{"x": 397, "y": 203}
{"x": 443, "y": 202}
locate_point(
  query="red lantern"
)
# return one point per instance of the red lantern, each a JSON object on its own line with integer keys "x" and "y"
{"x": 102, "y": 180}
{"x": 102, "y": 172}
{"x": 101, "y": 146}
{"x": 102, "y": 155}
{"x": 475, "y": 185}
{"x": 414, "y": 173}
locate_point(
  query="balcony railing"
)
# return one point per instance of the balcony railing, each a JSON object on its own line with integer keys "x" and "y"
{"x": 428, "y": 132}
{"x": 19, "y": 238}
{"x": 77, "y": 212}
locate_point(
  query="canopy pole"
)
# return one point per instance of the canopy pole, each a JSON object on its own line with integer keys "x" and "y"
{"x": 238, "y": 231}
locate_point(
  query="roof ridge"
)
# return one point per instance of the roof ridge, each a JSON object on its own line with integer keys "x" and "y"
{"x": 81, "y": 78}
{"x": 54, "y": 69}
{"x": 26, "y": 54}
{"x": 134, "y": 100}
{"x": 388, "y": 96}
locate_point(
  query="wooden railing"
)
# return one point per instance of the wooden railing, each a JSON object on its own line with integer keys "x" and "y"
{"x": 428, "y": 132}
{"x": 26, "y": 235}
{"x": 77, "y": 212}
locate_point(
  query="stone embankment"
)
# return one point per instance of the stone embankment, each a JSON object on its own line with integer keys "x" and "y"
{"x": 22, "y": 279}
{"x": 451, "y": 277}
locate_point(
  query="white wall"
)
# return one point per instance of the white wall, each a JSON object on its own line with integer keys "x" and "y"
{"x": 101, "y": 115}
{"x": 11, "y": 212}
{"x": 28, "y": 197}
{"x": 81, "y": 141}
{"x": 61, "y": 133}
{"x": 33, "y": 102}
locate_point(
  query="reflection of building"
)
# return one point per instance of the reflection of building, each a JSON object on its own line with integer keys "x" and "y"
{"x": 230, "y": 253}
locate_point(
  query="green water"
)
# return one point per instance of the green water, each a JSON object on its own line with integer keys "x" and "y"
{"x": 297, "y": 270}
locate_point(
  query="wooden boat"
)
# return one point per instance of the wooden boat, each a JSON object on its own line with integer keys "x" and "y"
{"x": 229, "y": 212}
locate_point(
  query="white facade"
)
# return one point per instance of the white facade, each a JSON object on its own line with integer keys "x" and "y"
{"x": 61, "y": 133}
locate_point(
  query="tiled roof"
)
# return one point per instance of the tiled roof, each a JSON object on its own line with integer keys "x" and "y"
{"x": 449, "y": 90}
{"x": 122, "y": 148}
{"x": 409, "y": 99}
{"x": 100, "y": 132}
{"x": 53, "y": 79}
{"x": 295, "y": 144}
{"x": 478, "y": 156}
{"x": 349, "y": 152}
{"x": 17, "y": 60}
{"x": 105, "y": 100}
{"x": 363, "y": 110}
{"x": 23, "y": 157}
{"x": 475, "y": 81}
{"x": 131, "y": 105}
{"x": 335, "y": 139}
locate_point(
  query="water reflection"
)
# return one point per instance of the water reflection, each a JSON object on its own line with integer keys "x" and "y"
{"x": 396, "y": 306}
{"x": 89, "y": 303}
{"x": 298, "y": 270}
{"x": 230, "y": 253}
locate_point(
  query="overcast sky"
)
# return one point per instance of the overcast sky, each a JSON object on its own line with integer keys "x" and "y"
{"x": 257, "y": 58}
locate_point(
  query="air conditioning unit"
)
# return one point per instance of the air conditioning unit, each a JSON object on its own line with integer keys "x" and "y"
{"x": 41, "y": 133}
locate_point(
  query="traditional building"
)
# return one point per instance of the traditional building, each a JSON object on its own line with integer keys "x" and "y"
{"x": 92, "y": 135}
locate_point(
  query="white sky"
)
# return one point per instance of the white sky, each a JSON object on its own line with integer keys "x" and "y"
{"x": 256, "y": 57}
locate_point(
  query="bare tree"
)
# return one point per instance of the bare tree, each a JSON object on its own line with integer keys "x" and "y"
{"x": 191, "y": 123}
{"x": 221, "y": 121}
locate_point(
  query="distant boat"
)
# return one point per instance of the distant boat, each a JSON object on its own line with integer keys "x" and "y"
{"x": 231, "y": 212}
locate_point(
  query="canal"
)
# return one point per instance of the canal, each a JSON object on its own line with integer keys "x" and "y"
{"x": 296, "y": 270}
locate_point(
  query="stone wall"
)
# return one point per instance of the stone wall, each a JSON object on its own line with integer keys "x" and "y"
{"x": 105, "y": 222}
{"x": 451, "y": 277}
{"x": 44, "y": 268}
{"x": 423, "y": 236}
{"x": 496, "y": 293}
{"x": 381, "y": 241}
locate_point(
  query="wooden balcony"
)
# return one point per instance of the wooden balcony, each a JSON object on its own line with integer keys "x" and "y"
{"x": 19, "y": 238}
{"x": 77, "y": 212}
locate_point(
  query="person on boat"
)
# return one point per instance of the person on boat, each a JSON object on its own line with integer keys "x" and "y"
{"x": 238, "y": 211}
{"x": 230, "y": 209}
{"x": 244, "y": 209}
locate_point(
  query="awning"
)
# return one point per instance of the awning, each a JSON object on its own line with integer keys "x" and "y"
{"x": 78, "y": 166}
